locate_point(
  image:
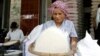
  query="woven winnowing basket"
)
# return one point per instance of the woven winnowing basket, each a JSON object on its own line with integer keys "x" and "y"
{"x": 50, "y": 54}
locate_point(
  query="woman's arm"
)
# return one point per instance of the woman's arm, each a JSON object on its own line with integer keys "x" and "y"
{"x": 73, "y": 38}
{"x": 30, "y": 48}
{"x": 6, "y": 40}
{"x": 73, "y": 44}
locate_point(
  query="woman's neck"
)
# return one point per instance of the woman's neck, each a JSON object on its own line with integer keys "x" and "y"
{"x": 13, "y": 29}
{"x": 58, "y": 24}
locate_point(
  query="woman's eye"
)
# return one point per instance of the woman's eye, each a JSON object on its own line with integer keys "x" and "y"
{"x": 55, "y": 13}
{"x": 59, "y": 13}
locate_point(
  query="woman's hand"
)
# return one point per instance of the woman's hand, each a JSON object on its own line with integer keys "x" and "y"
{"x": 30, "y": 48}
{"x": 71, "y": 53}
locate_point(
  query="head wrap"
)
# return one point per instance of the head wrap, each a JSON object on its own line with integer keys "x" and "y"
{"x": 58, "y": 4}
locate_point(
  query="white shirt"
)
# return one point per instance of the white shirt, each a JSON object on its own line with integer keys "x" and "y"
{"x": 15, "y": 35}
{"x": 98, "y": 17}
{"x": 66, "y": 25}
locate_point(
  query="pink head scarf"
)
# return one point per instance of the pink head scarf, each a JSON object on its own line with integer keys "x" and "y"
{"x": 58, "y": 4}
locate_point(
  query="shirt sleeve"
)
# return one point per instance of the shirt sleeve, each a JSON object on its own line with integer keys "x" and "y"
{"x": 73, "y": 31}
{"x": 21, "y": 36}
{"x": 8, "y": 35}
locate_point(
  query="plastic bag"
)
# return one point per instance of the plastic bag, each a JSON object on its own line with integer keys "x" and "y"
{"x": 88, "y": 47}
{"x": 30, "y": 39}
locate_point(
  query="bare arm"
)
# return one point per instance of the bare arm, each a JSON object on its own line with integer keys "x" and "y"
{"x": 6, "y": 40}
{"x": 30, "y": 48}
{"x": 74, "y": 44}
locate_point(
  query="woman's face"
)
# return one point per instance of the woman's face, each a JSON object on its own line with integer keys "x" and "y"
{"x": 58, "y": 15}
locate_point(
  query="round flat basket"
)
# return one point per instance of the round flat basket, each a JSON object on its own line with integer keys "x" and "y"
{"x": 50, "y": 54}
{"x": 10, "y": 43}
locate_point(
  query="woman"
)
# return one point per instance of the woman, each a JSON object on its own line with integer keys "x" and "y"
{"x": 60, "y": 20}
{"x": 15, "y": 34}
{"x": 97, "y": 28}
